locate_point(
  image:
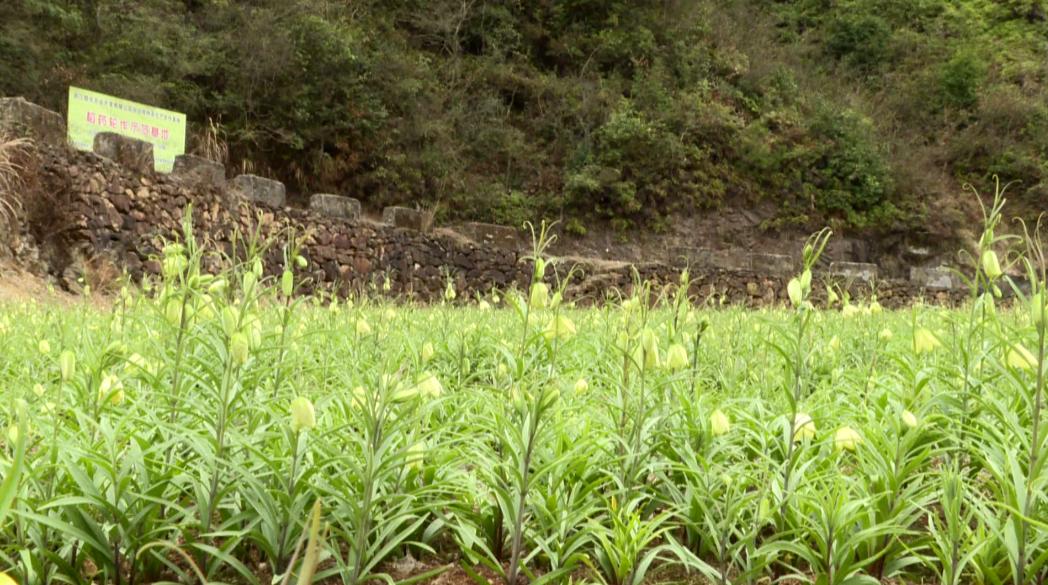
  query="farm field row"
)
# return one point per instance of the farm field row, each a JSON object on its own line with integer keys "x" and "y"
{"x": 217, "y": 429}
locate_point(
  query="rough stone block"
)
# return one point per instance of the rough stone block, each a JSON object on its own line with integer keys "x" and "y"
{"x": 489, "y": 233}
{"x": 130, "y": 153}
{"x": 23, "y": 118}
{"x": 938, "y": 278}
{"x": 199, "y": 171}
{"x": 335, "y": 206}
{"x": 404, "y": 217}
{"x": 854, "y": 270}
{"x": 261, "y": 190}
{"x": 771, "y": 263}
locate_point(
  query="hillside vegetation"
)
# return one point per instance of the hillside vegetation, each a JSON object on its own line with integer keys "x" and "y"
{"x": 861, "y": 113}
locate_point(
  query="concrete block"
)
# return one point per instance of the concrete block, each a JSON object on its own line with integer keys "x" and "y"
{"x": 261, "y": 190}
{"x": 335, "y": 206}
{"x": 937, "y": 278}
{"x": 22, "y": 118}
{"x": 489, "y": 233}
{"x": 854, "y": 270}
{"x": 199, "y": 171}
{"x": 404, "y": 217}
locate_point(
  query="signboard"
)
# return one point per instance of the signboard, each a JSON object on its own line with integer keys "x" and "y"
{"x": 91, "y": 113}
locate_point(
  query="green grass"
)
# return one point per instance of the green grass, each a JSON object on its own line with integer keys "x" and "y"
{"x": 213, "y": 429}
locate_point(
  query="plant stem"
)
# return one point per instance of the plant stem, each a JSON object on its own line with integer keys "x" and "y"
{"x": 522, "y": 498}
{"x": 1024, "y": 525}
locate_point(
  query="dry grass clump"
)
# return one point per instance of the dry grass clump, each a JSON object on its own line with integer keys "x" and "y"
{"x": 13, "y": 155}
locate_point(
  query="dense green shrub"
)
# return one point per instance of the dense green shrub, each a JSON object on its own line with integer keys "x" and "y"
{"x": 960, "y": 79}
{"x": 861, "y": 40}
{"x": 850, "y": 170}
{"x": 620, "y": 111}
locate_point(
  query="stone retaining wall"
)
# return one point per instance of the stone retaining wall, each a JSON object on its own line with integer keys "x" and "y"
{"x": 125, "y": 211}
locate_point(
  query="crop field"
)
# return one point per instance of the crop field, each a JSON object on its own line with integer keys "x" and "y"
{"x": 211, "y": 429}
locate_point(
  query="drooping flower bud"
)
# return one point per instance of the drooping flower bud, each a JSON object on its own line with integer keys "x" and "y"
{"x": 795, "y": 292}
{"x": 362, "y": 327}
{"x": 112, "y": 389}
{"x": 991, "y": 265}
{"x": 248, "y": 282}
{"x": 303, "y": 416}
{"x": 846, "y": 439}
{"x": 67, "y": 365}
{"x": 539, "y": 295}
{"x": 429, "y": 386}
{"x": 239, "y": 348}
{"x": 924, "y": 341}
{"x": 415, "y": 456}
{"x": 676, "y": 357}
{"x": 720, "y": 424}
{"x": 803, "y": 427}
{"x": 427, "y": 352}
{"x": 560, "y": 327}
{"x": 229, "y": 320}
{"x": 287, "y": 283}
{"x": 540, "y": 268}
{"x": 909, "y": 419}
{"x": 831, "y": 296}
{"x": 254, "y": 330}
{"x": 1020, "y": 358}
{"x": 649, "y": 348}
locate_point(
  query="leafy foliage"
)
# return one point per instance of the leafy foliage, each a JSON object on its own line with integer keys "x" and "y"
{"x": 216, "y": 428}
{"x": 590, "y": 111}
